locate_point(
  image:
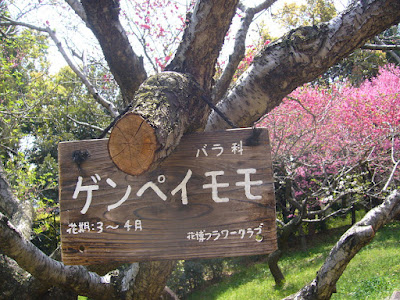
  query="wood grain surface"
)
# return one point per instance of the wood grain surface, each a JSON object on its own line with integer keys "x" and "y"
{"x": 132, "y": 144}
{"x": 175, "y": 211}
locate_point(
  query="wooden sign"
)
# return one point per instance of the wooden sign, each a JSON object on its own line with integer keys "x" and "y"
{"x": 213, "y": 197}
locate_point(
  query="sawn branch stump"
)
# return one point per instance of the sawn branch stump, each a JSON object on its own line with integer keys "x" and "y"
{"x": 132, "y": 144}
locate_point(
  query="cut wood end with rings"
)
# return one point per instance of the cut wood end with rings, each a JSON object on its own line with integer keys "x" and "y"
{"x": 132, "y": 144}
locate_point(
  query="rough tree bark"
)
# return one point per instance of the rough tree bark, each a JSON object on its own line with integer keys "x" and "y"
{"x": 102, "y": 17}
{"x": 167, "y": 105}
{"x": 276, "y": 272}
{"x": 203, "y": 40}
{"x": 296, "y": 58}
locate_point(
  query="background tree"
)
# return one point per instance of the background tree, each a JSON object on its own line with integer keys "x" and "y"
{"x": 277, "y": 69}
{"x": 334, "y": 152}
{"x": 293, "y": 15}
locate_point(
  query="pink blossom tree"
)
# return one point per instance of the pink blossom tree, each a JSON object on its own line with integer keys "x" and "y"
{"x": 335, "y": 148}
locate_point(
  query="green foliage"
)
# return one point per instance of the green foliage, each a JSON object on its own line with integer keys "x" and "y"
{"x": 364, "y": 64}
{"x": 68, "y": 101}
{"x": 391, "y": 36}
{"x": 37, "y": 111}
{"x": 357, "y": 67}
{"x": 293, "y": 15}
{"x": 22, "y": 176}
{"x": 22, "y": 64}
{"x": 53, "y": 122}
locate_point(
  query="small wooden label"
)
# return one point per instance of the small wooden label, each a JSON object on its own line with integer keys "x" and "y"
{"x": 213, "y": 197}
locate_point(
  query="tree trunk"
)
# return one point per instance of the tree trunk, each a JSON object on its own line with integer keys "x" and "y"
{"x": 303, "y": 240}
{"x": 151, "y": 280}
{"x": 283, "y": 236}
{"x": 203, "y": 39}
{"x": 276, "y": 272}
{"x": 102, "y": 17}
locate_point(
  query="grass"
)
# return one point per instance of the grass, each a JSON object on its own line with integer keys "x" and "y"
{"x": 374, "y": 273}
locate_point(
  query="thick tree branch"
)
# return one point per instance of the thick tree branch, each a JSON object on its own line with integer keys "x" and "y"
{"x": 276, "y": 272}
{"x": 125, "y": 65}
{"x": 14, "y": 281}
{"x": 31, "y": 259}
{"x": 203, "y": 39}
{"x": 8, "y": 202}
{"x": 19, "y": 211}
{"x": 239, "y": 49}
{"x": 359, "y": 235}
{"x": 301, "y": 56}
{"x": 78, "y": 9}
